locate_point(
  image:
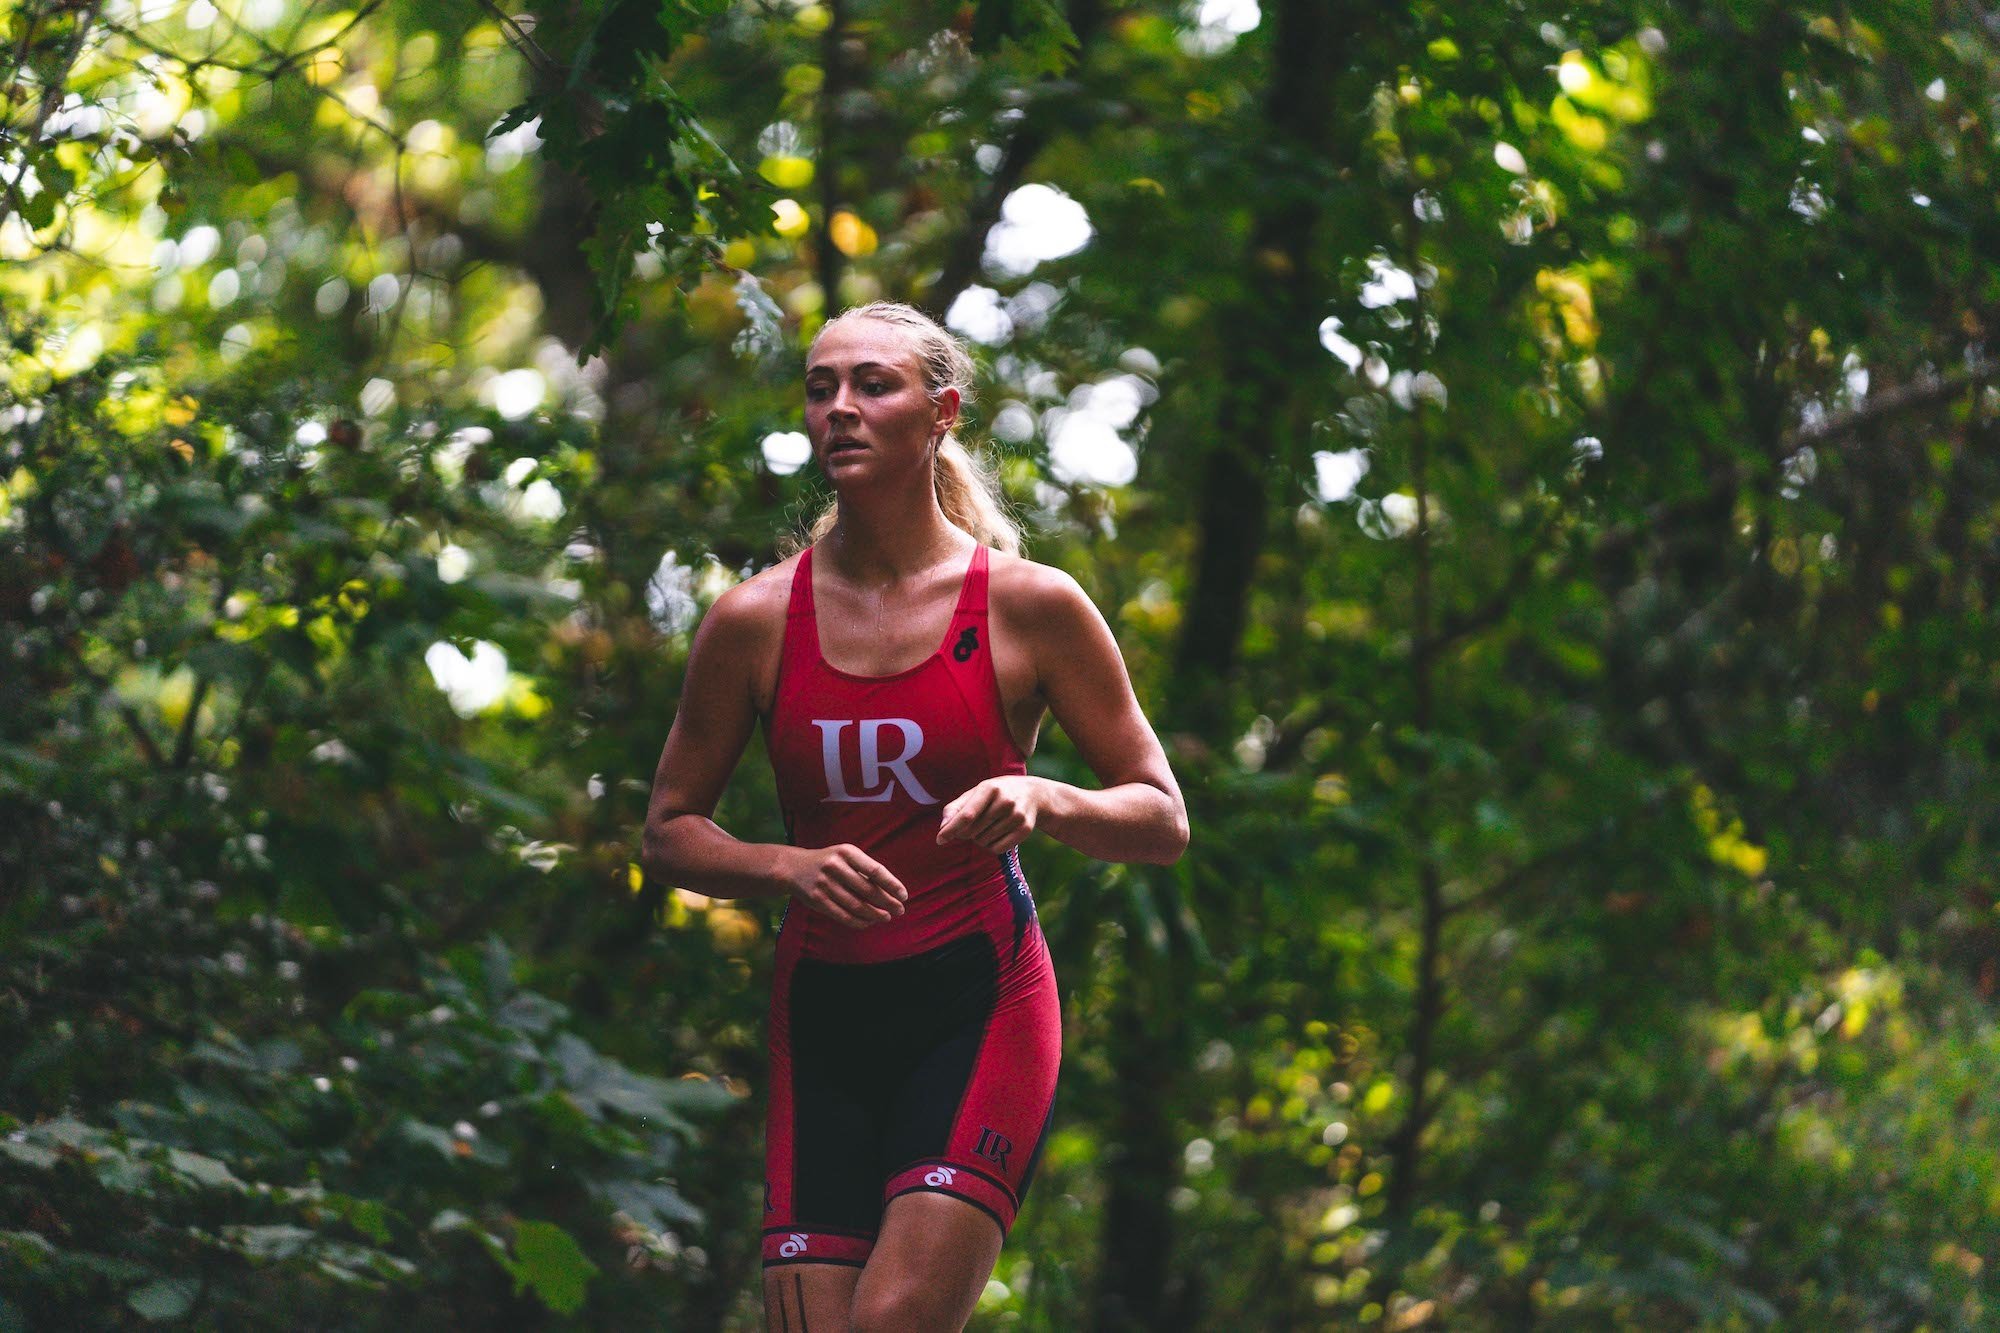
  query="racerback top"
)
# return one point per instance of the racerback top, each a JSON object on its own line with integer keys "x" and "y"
{"x": 873, "y": 761}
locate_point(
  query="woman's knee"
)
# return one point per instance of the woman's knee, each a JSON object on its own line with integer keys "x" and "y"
{"x": 904, "y": 1305}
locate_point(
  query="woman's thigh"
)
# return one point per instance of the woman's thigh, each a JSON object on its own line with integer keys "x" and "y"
{"x": 930, "y": 1262}
{"x": 808, "y": 1298}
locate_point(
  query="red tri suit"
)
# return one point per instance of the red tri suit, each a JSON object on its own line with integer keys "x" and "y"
{"x": 920, "y": 1053}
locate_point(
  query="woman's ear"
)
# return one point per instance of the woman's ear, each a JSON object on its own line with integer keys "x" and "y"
{"x": 947, "y": 416}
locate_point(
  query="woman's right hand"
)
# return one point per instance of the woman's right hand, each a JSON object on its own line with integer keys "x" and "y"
{"x": 845, "y": 884}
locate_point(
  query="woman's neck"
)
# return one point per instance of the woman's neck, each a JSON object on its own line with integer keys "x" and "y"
{"x": 884, "y": 544}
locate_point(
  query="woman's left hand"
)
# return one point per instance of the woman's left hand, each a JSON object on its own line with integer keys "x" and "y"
{"x": 997, "y": 815}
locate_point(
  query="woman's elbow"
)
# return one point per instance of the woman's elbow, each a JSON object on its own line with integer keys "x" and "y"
{"x": 1174, "y": 838}
{"x": 657, "y": 847}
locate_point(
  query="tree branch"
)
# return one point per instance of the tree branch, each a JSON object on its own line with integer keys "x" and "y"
{"x": 1928, "y": 391}
{"x": 1031, "y": 134}
{"x": 833, "y": 83}
{"x": 544, "y": 64}
{"x": 184, "y": 744}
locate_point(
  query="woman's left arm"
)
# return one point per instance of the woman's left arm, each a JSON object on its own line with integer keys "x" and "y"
{"x": 1137, "y": 814}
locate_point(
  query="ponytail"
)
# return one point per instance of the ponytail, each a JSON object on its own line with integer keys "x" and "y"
{"x": 968, "y": 490}
{"x": 968, "y": 485}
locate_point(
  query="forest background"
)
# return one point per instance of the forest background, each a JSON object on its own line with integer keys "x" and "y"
{"x": 1539, "y": 460}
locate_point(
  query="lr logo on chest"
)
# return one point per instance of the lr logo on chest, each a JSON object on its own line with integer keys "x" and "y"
{"x": 881, "y": 773}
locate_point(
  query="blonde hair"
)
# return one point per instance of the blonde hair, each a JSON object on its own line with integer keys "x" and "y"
{"x": 968, "y": 485}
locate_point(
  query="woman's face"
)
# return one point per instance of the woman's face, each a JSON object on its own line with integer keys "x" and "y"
{"x": 867, "y": 412}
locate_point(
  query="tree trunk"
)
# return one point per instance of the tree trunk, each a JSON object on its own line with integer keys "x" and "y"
{"x": 1272, "y": 356}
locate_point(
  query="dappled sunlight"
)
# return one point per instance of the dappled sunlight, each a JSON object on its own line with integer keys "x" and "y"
{"x": 1218, "y": 24}
{"x": 1085, "y": 437}
{"x": 1335, "y": 475}
{"x": 1038, "y": 223}
{"x": 979, "y": 315}
{"x": 472, "y": 684}
{"x": 786, "y": 451}
{"x": 1587, "y": 885}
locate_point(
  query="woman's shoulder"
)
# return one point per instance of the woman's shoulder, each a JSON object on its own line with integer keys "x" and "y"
{"x": 1033, "y": 589}
{"x": 756, "y": 606}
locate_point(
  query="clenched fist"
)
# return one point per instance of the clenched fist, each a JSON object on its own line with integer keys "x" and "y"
{"x": 845, "y": 884}
{"x": 997, "y": 815}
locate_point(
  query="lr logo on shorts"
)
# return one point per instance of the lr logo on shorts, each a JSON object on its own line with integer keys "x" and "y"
{"x": 879, "y": 776}
{"x": 994, "y": 1146}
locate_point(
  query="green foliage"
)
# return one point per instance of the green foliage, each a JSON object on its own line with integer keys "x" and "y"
{"x": 1585, "y": 700}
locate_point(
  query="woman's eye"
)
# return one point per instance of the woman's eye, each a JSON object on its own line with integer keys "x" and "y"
{"x": 876, "y": 386}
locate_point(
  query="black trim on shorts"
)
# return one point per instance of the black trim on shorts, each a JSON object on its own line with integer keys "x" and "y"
{"x": 951, "y": 1194}
{"x": 955, "y": 1165}
{"x": 1035, "y": 1157}
{"x": 821, "y": 1231}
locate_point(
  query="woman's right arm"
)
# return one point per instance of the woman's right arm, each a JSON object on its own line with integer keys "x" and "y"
{"x": 683, "y": 845}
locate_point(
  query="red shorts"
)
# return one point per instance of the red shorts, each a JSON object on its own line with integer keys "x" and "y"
{"x": 930, "y": 1072}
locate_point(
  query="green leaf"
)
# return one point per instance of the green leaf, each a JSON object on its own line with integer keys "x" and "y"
{"x": 39, "y": 211}
{"x": 268, "y": 1242}
{"x": 242, "y": 166}
{"x": 497, "y": 964}
{"x": 430, "y": 1136}
{"x": 25, "y": 1248}
{"x": 30, "y": 1153}
{"x": 653, "y": 1206}
{"x": 1037, "y": 26}
{"x": 168, "y": 1298}
{"x": 530, "y": 1013}
{"x": 548, "y": 1260}
{"x": 202, "y": 1170}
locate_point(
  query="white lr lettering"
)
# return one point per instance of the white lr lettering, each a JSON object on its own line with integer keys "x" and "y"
{"x": 879, "y": 776}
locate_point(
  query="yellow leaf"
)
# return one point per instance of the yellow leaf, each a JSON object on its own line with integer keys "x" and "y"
{"x": 787, "y": 172}
{"x": 851, "y": 236}
{"x": 791, "y": 220}
{"x": 1331, "y": 788}
{"x": 1585, "y": 131}
{"x": 353, "y": 598}
{"x": 732, "y": 928}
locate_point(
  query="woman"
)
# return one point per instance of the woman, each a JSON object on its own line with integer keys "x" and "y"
{"x": 901, "y": 667}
